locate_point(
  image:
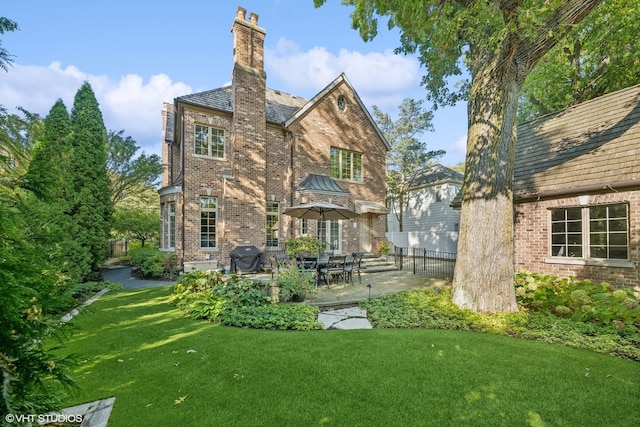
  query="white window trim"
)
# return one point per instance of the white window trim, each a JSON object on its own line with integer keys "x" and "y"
{"x": 171, "y": 221}
{"x": 585, "y": 261}
{"x": 341, "y": 153}
{"x": 277, "y": 215}
{"x": 209, "y": 146}
{"x": 208, "y": 248}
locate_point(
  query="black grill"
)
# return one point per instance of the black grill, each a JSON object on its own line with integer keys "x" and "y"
{"x": 245, "y": 259}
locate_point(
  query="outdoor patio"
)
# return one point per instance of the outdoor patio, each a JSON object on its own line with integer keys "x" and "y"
{"x": 382, "y": 283}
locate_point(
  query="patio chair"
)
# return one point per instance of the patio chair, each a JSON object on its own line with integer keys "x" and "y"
{"x": 334, "y": 268}
{"x": 353, "y": 265}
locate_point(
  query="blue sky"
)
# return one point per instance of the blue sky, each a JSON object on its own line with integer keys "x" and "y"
{"x": 138, "y": 54}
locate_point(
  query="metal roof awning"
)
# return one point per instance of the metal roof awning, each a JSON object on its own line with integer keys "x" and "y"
{"x": 320, "y": 184}
{"x": 367, "y": 206}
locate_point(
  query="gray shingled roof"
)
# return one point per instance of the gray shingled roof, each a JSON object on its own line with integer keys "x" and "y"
{"x": 596, "y": 143}
{"x": 437, "y": 174}
{"x": 320, "y": 184}
{"x": 280, "y": 106}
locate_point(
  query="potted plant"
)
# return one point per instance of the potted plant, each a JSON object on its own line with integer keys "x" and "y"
{"x": 295, "y": 283}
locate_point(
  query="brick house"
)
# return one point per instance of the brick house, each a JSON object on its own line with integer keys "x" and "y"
{"x": 577, "y": 191}
{"x": 236, "y": 157}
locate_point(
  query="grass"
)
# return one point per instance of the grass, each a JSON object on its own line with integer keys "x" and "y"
{"x": 166, "y": 369}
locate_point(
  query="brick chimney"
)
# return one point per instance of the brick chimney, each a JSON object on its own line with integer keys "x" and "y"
{"x": 245, "y": 195}
{"x": 248, "y": 41}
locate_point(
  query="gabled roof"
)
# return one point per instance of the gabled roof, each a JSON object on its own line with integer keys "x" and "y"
{"x": 280, "y": 106}
{"x": 592, "y": 145}
{"x": 340, "y": 79}
{"x": 320, "y": 184}
{"x": 437, "y": 175}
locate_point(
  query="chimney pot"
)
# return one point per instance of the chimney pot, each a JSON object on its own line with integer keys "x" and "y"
{"x": 241, "y": 12}
{"x": 254, "y": 18}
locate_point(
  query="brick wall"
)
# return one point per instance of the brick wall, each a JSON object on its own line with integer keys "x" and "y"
{"x": 263, "y": 162}
{"x": 326, "y": 126}
{"x": 531, "y": 230}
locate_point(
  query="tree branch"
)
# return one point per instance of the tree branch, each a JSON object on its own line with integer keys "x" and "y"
{"x": 556, "y": 26}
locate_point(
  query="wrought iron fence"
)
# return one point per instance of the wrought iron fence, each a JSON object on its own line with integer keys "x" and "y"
{"x": 434, "y": 264}
{"x": 117, "y": 248}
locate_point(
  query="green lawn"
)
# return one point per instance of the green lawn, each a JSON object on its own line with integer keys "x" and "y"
{"x": 167, "y": 370}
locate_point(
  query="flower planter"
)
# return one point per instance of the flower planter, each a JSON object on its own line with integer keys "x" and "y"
{"x": 299, "y": 297}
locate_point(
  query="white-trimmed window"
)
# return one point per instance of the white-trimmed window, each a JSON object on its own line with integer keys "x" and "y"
{"x": 209, "y": 141}
{"x": 273, "y": 224}
{"x": 346, "y": 164}
{"x": 168, "y": 222}
{"x": 171, "y": 225}
{"x": 304, "y": 226}
{"x": 592, "y": 232}
{"x": 208, "y": 222}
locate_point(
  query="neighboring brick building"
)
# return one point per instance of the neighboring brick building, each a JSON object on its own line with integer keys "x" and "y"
{"x": 236, "y": 157}
{"x": 577, "y": 191}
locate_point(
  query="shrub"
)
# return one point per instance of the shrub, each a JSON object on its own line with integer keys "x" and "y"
{"x": 384, "y": 248}
{"x": 293, "y": 281}
{"x": 151, "y": 263}
{"x": 302, "y": 244}
{"x": 236, "y": 301}
{"x": 433, "y": 309}
{"x": 579, "y": 300}
{"x": 298, "y": 317}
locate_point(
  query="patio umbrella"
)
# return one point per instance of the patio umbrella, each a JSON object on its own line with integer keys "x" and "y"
{"x": 320, "y": 210}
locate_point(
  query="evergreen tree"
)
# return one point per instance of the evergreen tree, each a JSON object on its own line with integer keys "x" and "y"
{"x": 50, "y": 157}
{"x": 91, "y": 206}
{"x": 49, "y": 179}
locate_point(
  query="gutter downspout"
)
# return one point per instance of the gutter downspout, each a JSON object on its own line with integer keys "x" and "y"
{"x": 182, "y": 185}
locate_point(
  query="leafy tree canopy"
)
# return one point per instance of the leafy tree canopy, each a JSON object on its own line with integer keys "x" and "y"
{"x": 126, "y": 172}
{"x": 18, "y": 135}
{"x": 6, "y": 25}
{"x": 408, "y": 155}
{"x": 499, "y": 42}
{"x": 599, "y": 56}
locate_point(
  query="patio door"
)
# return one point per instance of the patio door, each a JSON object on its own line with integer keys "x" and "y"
{"x": 365, "y": 232}
{"x": 331, "y": 232}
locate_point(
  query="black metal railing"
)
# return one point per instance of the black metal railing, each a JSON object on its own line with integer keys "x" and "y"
{"x": 117, "y": 248}
{"x": 434, "y": 264}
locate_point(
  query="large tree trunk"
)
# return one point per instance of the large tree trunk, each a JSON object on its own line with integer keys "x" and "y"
{"x": 484, "y": 272}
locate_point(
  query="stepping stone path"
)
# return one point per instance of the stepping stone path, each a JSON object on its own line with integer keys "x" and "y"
{"x": 345, "y": 318}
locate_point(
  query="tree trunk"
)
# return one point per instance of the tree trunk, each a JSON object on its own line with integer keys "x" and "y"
{"x": 401, "y": 213}
{"x": 484, "y": 272}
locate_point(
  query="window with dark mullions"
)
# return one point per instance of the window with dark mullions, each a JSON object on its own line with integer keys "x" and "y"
{"x": 608, "y": 232}
{"x": 600, "y": 232}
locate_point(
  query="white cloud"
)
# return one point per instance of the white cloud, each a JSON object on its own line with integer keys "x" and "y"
{"x": 380, "y": 78}
{"x": 130, "y": 103}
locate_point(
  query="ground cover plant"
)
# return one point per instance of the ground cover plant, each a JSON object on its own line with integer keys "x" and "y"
{"x": 579, "y": 300}
{"x": 166, "y": 369}
{"x": 576, "y": 313}
{"x": 238, "y": 301}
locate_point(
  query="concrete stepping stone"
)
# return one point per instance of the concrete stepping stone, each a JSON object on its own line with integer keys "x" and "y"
{"x": 353, "y": 323}
{"x": 345, "y": 318}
